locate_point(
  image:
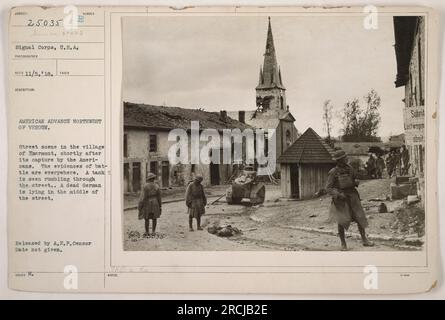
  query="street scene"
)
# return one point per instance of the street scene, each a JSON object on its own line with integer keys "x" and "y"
{"x": 324, "y": 161}
{"x": 276, "y": 224}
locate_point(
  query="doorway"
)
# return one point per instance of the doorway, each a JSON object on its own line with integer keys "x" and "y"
{"x": 214, "y": 174}
{"x": 294, "y": 181}
{"x": 165, "y": 174}
{"x": 136, "y": 176}
{"x": 126, "y": 178}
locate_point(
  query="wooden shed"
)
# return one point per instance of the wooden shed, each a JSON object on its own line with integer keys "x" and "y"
{"x": 305, "y": 166}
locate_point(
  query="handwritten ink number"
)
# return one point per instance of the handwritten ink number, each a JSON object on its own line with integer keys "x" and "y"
{"x": 43, "y": 23}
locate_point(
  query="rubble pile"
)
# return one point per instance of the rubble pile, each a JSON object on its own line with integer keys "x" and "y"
{"x": 409, "y": 219}
{"x": 403, "y": 187}
{"x": 378, "y": 205}
{"x": 383, "y": 208}
{"x": 154, "y": 236}
{"x": 224, "y": 230}
{"x": 133, "y": 235}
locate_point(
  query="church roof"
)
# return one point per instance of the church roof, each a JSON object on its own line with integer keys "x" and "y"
{"x": 270, "y": 74}
{"x": 287, "y": 116}
{"x": 261, "y": 120}
{"x": 308, "y": 148}
{"x": 144, "y": 116}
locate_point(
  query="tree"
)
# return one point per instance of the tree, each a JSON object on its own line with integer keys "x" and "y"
{"x": 371, "y": 118}
{"x": 361, "y": 124}
{"x": 327, "y": 118}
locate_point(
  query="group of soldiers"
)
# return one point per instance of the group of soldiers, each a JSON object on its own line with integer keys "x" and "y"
{"x": 341, "y": 185}
{"x": 395, "y": 162}
{"x": 150, "y": 203}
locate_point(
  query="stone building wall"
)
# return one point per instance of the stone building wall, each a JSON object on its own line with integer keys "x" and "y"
{"x": 139, "y": 160}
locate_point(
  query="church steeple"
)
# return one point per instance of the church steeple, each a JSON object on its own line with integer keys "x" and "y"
{"x": 270, "y": 72}
{"x": 270, "y": 92}
{"x": 261, "y": 79}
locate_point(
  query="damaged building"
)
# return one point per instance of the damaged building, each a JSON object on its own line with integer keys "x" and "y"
{"x": 146, "y": 145}
{"x": 409, "y": 47}
{"x": 409, "y": 32}
{"x": 146, "y": 129}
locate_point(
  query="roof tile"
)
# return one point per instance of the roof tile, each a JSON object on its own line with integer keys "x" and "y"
{"x": 167, "y": 118}
{"x": 308, "y": 148}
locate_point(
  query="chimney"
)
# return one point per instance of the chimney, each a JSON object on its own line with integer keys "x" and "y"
{"x": 223, "y": 115}
{"x": 242, "y": 116}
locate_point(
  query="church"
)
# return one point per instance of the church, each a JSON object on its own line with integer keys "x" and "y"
{"x": 271, "y": 111}
{"x": 146, "y": 128}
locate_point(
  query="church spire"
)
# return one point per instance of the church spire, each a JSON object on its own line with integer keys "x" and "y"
{"x": 271, "y": 75}
{"x": 261, "y": 79}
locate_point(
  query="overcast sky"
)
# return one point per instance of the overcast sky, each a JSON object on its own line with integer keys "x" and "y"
{"x": 213, "y": 62}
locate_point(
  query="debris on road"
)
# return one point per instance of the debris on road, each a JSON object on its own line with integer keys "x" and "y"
{"x": 154, "y": 236}
{"x": 383, "y": 208}
{"x": 224, "y": 230}
{"x": 377, "y": 199}
{"x": 410, "y": 219}
{"x": 320, "y": 193}
{"x": 281, "y": 224}
{"x": 412, "y": 199}
{"x": 133, "y": 235}
{"x": 414, "y": 242}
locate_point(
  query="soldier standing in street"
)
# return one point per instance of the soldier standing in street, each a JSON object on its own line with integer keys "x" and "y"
{"x": 405, "y": 160}
{"x": 196, "y": 201}
{"x": 390, "y": 163}
{"x": 346, "y": 206}
{"x": 370, "y": 166}
{"x": 150, "y": 204}
{"x": 380, "y": 166}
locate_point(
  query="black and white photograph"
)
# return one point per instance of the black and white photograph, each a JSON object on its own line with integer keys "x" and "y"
{"x": 273, "y": 133}
{"x": 217, "y": 150}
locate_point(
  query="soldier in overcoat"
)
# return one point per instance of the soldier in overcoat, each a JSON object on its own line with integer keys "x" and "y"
{"x": 196, "y": 200}
{"x": 346, "y": 206}
{"x": 150, "y": 204}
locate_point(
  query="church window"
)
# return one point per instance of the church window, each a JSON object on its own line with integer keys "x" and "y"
{"x": 288, "y": 138}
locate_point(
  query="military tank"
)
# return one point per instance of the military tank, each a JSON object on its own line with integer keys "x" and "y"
{"x": 246, "y": 189}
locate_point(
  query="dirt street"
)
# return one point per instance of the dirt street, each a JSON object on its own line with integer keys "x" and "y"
{"x": 275, "y": 225}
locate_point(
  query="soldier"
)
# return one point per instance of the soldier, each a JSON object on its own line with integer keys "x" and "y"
{"x": 397, "y": 163}
{"x": 370, "y": 166}
{"x": 346, "y": 206}
{"x": 196, "y": 201}
{"x": 380, "y": 166}
{"x": 150, "y": 204}
{"x": 405, "y": 160}
{"x": 390, "y": 163}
